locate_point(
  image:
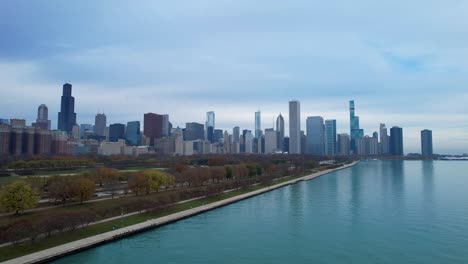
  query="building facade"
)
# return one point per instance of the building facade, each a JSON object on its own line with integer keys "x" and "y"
{"x": 330, "y": 137}
{"x": 67, "y": 115}
{"x": 315, "y": 136}
{"x": 426, "y": 143}
{"x": 294, "y": 127}
{"x": 396, "y": 141}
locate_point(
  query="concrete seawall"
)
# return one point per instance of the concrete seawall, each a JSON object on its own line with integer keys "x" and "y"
{"x": 82, "y": 244}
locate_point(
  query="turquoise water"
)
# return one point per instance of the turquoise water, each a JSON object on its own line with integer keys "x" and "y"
{"x": 374, "y": 212}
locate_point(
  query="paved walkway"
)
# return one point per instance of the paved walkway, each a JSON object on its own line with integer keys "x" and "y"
{"x": 79, "y": 245}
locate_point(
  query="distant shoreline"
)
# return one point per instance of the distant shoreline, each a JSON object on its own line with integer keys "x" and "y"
{"x": 93, "y": 241}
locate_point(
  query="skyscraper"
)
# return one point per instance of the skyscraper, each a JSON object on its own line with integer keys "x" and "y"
{"x": 330, "y": 137}
{"x": 152, "y": 126}
{"x": 194, "y": 131}
{"x": 116, "y": 132}
{"x": 384, "y": 140}
{"x": 315, "y": 136}
{"x": 343, "y": 144}
{"x": 426, "y": 143}
{"x": 258, "y": 126}
{"x": 210, "y": 125}
{"x": 133, "y": 135}
{"x": 42, "y": 121}
{"x": 294, "y": 127}
{"x": 67, "y": 115}
{"x": 100, "y": 123}
{"x": 355, "y": 131}
{"x": 235, "y": 134}
{"x": 271, "y": 141}
{"x": 396, "y": 141}
{"x": 165, "y": 126}
{"x": 280, "y": 130}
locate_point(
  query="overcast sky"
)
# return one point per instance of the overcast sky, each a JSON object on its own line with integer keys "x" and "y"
{"x": 405, "y": 63}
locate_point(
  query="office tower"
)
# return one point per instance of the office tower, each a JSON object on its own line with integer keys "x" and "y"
{"x": 396, "y": 141}
{"x": 194, "y": 131}
{"x": 271, "y": 141}
{"x": 384, "y": 140}
{"x": 42, "y": 121}
{"x": 16, "y": 141}
{"x": 59, "y": 142}
{"x": 330, "y": 137}
{"x": 426, "y": 143}
{"x": 133, "y": 135}
{"x": 116, "y": 132}
{"x": 165, "y": 126}
{"x": 165, "y": 145}
{"x": 75, "y": 134}
{"x": 179, "y": 142}
{"x": 152, "y": 126}
{"x": 367, "y": 146}
{"x": 28, "y": 141}
{"x": 100, "y": 123}
{"x": 315, "y": 136}
{"x": 4, "y": 121}
{"x": 67, "y": 115}
{"x": 280, "y": 130}
{"x": 235, "y": 134}
{"x": 294, "y": 127}
{"x": 343, "y": 144}
{"x": 258, "y": 127}
{"x": 303, "y": 142}
{"x": 226, "y": 142}
{"x": 217, "y": 136}
{"x": 248, "y": 142}
{"x": 355, "y": 131}
{"x": 210, "y": 125}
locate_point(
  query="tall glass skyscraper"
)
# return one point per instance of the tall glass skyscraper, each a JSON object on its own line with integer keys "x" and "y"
{"x": 396, "y": 141}
{"x": 315, "y": 144}
{"x": 133, "y": 134}
{"x": 116, "y": 132}
{"x": 210, "y": 125}
{"x": 330, "y": 137}
{"x": 355, "y": 131}
{"x": 280, "y": 130}
{"x": 294, "y": 127}
{"x": 235, "y": 134}
{"x": 426, "y": 143}
{"x": 258, "y": 126}
{"x": 67, "y": 115}
{"x": 384, "y": 140}
{"x": 100, "y": 123}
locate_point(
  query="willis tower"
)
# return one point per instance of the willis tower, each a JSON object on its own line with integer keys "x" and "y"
{"x": 67, "y": 115}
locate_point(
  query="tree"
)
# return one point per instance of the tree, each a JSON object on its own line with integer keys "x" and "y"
{"x": 61, "y": 189}
{"x": 104, "y": 175}
{"x": 228, "y": 172}
{"x": 18, "y": 196}
{"x": 84, "y": 189}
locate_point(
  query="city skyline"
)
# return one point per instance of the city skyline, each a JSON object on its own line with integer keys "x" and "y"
{"x": 246, "y": 57}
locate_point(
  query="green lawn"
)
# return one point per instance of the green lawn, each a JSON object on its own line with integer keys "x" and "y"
{"x": 10, "y": 252}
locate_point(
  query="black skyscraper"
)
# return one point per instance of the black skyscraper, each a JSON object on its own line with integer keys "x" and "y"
{"x": 67, "y": 115}
{"x": 396, "y": 141}
{"x": 116, "y": 132}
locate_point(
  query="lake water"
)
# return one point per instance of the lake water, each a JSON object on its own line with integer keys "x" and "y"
{"x": 374, "y": 212}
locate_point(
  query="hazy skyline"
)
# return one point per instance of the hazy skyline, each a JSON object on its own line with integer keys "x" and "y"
{"x": 404, "y": 63}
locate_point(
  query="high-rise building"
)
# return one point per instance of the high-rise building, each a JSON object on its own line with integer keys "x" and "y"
{"x": 100, "y": 123}
{"x": 280, "y": 130}
{"x": 248, "y": 142}
{"x": 315, "y": 136}
{"x": 384, "y": 140}
{"x": 343, "y": 144}
{"x": 4, "y": 140}
{"x": 194, "y": 131}
{"x": 165, "y": 126}
{"x": 133, "y": 135}
{"x": 258, "y": 124}
{"x": 210, "y": 125}
{"x": 217, "y": 136}
{"x": 235, "y": 134}
{"x": 294, "y": 127}
{"x": 17, "y": 123}
{"x": 271, "y": 141}
{"x": 152, "y": 126}
{"x": 426, "y": 143}
{"x": 4, "y": 121}
{"x": 67, "y": 115}
{"x": 116, "y": 132}
{"x": 42, "y": 121}
{"x": 396, "y": 141}
{"x": 367, "y": 146}
{"x": 330, "y": 137}
{"x": 355, "y": 131}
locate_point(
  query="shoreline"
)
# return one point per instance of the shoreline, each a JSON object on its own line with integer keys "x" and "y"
{"x": 93, "y": 241}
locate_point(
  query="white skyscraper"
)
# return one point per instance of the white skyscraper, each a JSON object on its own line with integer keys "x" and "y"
{"x": 271, "y": 141}
{"x": 280, "y": 130}
{"x": 294, "y": 127}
